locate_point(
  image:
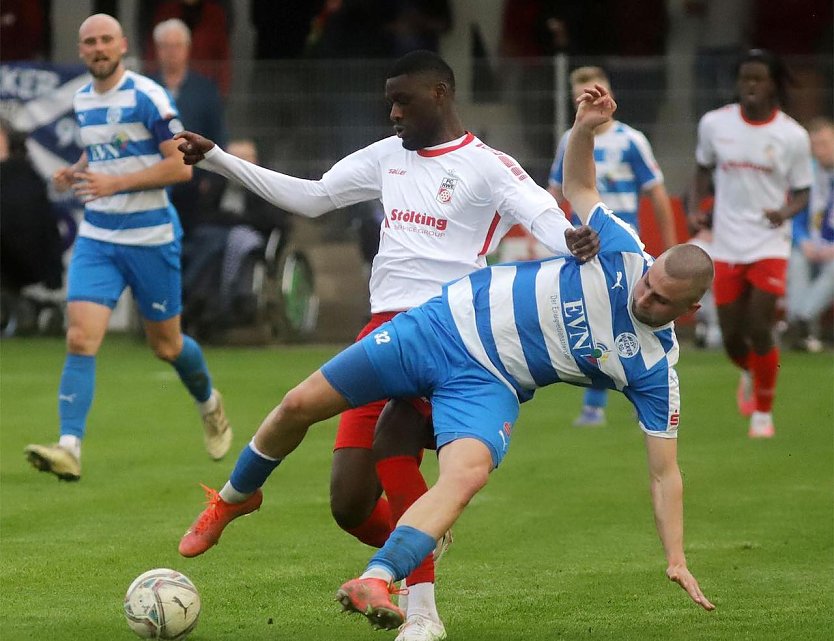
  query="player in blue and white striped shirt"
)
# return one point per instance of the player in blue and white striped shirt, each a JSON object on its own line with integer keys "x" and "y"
{"x": 481, "y": 349}
{"x": 626, "y": 168}
{"x": 130, "y": 237}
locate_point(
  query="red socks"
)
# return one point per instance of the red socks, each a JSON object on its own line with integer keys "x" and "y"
{"x": 765, "y": 369}
{"x": 403, "y": 484}
{"x": 377, "y": 527}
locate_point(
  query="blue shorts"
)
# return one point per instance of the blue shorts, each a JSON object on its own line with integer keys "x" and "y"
{"x": 100, "y": 271}
{"x": 419, "y": 353}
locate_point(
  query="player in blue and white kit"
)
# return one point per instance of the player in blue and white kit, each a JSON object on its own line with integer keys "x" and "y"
{"x": 626, "y": 168}
{"x": 130, "y": 237}
{"x": 483, "y": 346}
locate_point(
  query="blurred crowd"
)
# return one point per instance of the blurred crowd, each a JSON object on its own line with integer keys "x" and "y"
{"x": 186, "y": 46}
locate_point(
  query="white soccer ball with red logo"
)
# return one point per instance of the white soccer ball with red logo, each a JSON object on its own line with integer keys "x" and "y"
{"x": 162, "y": 604}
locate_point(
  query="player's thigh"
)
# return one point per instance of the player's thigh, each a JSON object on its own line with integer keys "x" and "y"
{"x": 94, "y": 273}
{"x": 476, "y": 405}
{"x": 154, "y": 275}
{"x": 404, "y": 428}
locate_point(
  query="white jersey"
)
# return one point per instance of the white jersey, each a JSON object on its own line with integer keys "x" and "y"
{"x": 446, "y": 208}
{"x": 756, "y": 165}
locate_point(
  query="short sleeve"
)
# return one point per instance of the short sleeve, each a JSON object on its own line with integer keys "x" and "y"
{"x": 557, "y": 169}
{"x": 801, "y": 172}
{"x": 158, "y": 113}
{"x": 704, "y": 151}
{"x": 643, "y": 163}
{"x": 657, "y": 401}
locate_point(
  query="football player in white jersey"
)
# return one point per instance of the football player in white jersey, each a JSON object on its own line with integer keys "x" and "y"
{"x": 130, "y": 236}
{"x": 758, "y": 160}
{"x": 447, "y": 199}
{"x": 482, "y": 347}
{"x": 626, "y": 168}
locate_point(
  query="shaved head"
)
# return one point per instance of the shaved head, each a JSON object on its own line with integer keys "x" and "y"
{"x": 100, "y": 22}
{"x": 690, "y": 263}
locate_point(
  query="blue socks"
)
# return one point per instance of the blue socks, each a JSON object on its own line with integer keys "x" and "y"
{"x": 596, "y": 397}
{"x": 193, "y": 371}
{"x": 404, "y": 550}
{"x": 75, "y": 394}
{"x": 251, "y": 470}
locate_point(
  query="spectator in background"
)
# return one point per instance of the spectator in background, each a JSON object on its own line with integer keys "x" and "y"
{"x": 281, "y": 28}
{"x": 811, "y": 267}
{"x": 759, "y": 160}
{"x": 30, "y": 242}
{"x": 208, "y": 22}
{"x": 233, "y": 224}
{"x": 625, "y": 168}
{"x": 199, "y": 104}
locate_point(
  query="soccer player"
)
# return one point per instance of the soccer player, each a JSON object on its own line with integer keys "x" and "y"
{"x": 448, "y": 199}
{"x": 484, "y": 346}
{"x": 130, "y": 236}
{"x": 626, "y": 167}
{"x": 759, "y": 160}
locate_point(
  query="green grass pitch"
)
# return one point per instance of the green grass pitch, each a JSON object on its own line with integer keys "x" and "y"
{"x": 560, "y": 545}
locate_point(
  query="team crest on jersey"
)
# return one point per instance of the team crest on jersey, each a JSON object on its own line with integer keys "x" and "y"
{"x": 447, "y": 188}
{"x": 114, "y": 115}
{"x": 627, "y": 345}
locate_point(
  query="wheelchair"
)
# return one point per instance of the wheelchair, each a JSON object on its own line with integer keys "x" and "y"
{"x": 267, "y": 296}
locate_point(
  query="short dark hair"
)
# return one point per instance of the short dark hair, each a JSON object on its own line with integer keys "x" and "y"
{"x": 777, "y": 68}
{"x": 423, "y": 61}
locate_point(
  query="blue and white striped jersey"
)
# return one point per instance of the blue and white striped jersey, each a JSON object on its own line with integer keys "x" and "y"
{"x": 625, "y": 166}
{"x": 121, "y": 131}
{"x": 539, "y": 322}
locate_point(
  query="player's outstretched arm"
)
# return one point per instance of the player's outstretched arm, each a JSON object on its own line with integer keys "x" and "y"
{"x": 667, "y": 501}
{"x": 307, "y": 198}
{"x": 596, "y": 107}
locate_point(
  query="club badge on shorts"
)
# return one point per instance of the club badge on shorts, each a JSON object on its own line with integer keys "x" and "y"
{"x": 447, "y": 188}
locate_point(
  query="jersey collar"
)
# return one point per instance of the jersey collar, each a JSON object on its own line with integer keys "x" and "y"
{"x": 446, "y": 147}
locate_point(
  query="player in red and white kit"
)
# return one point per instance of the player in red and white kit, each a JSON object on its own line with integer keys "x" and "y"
{"x": 448, "y": 199}
{"x": 759, "y": 160}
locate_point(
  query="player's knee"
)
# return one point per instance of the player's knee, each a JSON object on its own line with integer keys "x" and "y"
{"x": 295, "y": 406}
{"x": 465, "y": 483}
{"x": 349, "y": 508}
{"x": 79, "y": 342}
{"x": 166, "y": 350}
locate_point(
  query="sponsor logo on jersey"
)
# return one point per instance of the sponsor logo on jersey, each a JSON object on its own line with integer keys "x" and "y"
{"x": 743, "y": 164}
{"x": 627, "y": 345}
{"x": 599, "y": 354}
{"x": 120, "y": 141}
{"x": 397, "y": 172}
{"x": 447, "y": 189}
{"x": 416, "y": 218}
{"x": 576, "y": 325}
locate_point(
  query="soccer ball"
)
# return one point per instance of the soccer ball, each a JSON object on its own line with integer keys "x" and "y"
{"x": 162, "y": 604}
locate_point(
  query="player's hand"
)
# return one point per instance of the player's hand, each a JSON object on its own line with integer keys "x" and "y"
{"x": 582, "y": 242}
{"x": 775, "y": 217}
{"x": 193, "y": 146}
{"x": 89, "y": 186}
{"x": 683, "y": 577}
{"x": 594, "y": 107}
{"x": 63, "y": 178}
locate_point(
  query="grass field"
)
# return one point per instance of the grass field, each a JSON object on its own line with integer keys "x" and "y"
{"x": 560, "y": 545}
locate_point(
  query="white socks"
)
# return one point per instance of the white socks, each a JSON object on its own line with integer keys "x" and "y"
{"x": 208, "y": 405}
{"x": 421, "y": 601}
{"x": 378, "y": 572}
{"x": 230, "y": 495}
{"x": 71, "y": 444}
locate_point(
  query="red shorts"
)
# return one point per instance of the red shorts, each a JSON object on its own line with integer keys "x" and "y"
{"x": 357, "y": 425}
{"x": 733, "y": 279}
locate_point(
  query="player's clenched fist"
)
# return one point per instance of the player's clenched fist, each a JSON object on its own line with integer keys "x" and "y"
{"x": 193, "y": 146}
